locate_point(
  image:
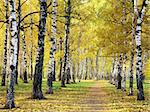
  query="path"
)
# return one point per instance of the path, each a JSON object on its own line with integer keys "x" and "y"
{"x": 95, "y": 99}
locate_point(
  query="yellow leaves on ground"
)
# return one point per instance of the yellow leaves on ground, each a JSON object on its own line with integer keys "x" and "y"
{"x": 86, "y": 96}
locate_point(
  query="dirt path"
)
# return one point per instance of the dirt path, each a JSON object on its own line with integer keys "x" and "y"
{"x": 95, "y": 99}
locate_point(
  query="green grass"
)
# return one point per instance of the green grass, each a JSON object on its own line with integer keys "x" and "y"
{"x": 74, "y": 98}
{"x": 59, "y": 101}
{"x": 119, "y": 101}
{"x": 21, "y": 87}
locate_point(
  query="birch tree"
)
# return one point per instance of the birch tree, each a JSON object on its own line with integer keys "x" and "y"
{"x": 86, "y": 72}
{"x": 125, "y": 45}
{"x": 51, "y": 69}
{"x": 132, "y": 52}
{"x": 61, "y": 63}
{"x": 97, "y": 65}
{"x": 37, "y": 82}
{"x": 18, "y": 37}
{"x": 67, "y": 31}
{"x": 138, "y": 36}
{"x": 5, "y": 44}
{"x": 24, "y": 58}
{"x": 13, "y": 56}
{"x": 31, "y": 36}
{"x": 119, "y": 77}
{"x": 112, "y": 71}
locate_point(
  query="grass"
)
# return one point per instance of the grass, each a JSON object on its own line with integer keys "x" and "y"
{"x": 59, "y": 101}
{"x": 86, "y": 96}
{"x": 119, "y": 101}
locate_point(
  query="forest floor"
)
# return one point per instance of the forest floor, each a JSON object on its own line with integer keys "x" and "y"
{"x": 86, "y": 96}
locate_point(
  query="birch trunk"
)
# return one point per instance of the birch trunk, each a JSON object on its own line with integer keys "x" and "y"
{"x": 67, "y": 31}
{"x": 73, "y": 73}
{"x": 5, "y": 45}
{"x": 97, "y": 65}
{"x": 139, "y": 64}
{"x": 86, "y": 72}
{"x": 18, "y": 37}
{"x": 124, "y": 75}
{"x": 125, "y": 45}
{"x": 119, "y": 77}
{"x": 103, "y": 68}
{"x": 115, "y": 72}
{"x": 13, "y": 56}
{"x": 112, "y": 71}
{"x": 132, "y": 52}
{"x": 91, "y": 68}
{"x": 68, "y": 65}
{"x": 31, "y": 36}
{"x": 24, "y": 58}
{"x": 51, "y": 69}
{"x": 37, "y": 82}
{"x": 61, "y": 64}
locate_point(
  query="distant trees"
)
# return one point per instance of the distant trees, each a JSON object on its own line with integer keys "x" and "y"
{"x": 136, "y": 34}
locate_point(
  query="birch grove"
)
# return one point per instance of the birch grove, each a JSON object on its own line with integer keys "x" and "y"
{"x": 74, "y": 49}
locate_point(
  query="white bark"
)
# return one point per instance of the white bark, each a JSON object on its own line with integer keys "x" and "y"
{"x": 51, "y": 69}
{"x": 66, "y": 40}
{"x": 13, "y": 55}
{"x": 5, "y": 45}
{"x": 139, "y": 64}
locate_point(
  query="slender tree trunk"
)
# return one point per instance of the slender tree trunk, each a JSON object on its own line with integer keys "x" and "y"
{"x": 139, "y": 64}
{"x": 5, "y": 45}
{"x": 124, "y": 74}
{"x": 25, "y": 78}
{"x": 91, "y": 68}
{"x": 13, "y": 56}
{"x": 112, "y": 71}
{"x": 68, "y": 66}
{"x": 37, "y": 82}
{"x": 86, "y": 72}
{"x": 54, "y": 76}
{"x": 51, "y": 69}
{"x": 81, "y": 71}
{"x": 18, "y": 37}
{"x": 119, "y": 77}
{"x": 68, "y": 76}
{"x": 31, "y": 36}
{"x": 103, "y": 68}
{"x": 78, "y": 70}
{"x": 132, "y": 52}
{"x": 97, "y": 65}
{"x": 61, "y": 64}
{"x": 21, "y": 65}
{"x": 115, "y": 72}
{"x": 67, "y": 31}
{"x": 73, "y": 73}
{"x": 125, "y": 45}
